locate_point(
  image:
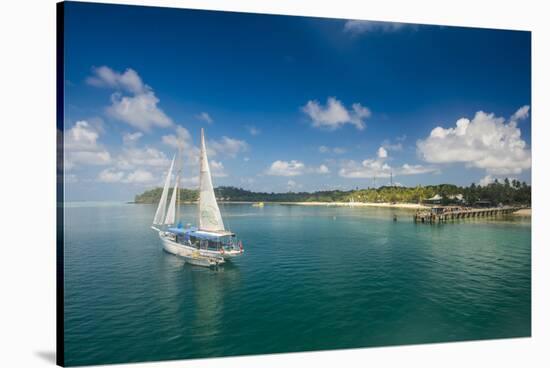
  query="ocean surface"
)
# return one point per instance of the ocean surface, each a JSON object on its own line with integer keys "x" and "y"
{"x": 312, "y": 278}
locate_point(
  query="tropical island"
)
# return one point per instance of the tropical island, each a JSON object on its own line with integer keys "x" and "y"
{"x": 505, "y": 192}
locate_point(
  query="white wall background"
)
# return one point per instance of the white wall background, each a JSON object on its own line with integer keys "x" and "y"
{"x": 27, "y": 210}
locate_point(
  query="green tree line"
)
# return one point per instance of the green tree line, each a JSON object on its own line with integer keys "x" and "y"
{"x": 505, "y": 192}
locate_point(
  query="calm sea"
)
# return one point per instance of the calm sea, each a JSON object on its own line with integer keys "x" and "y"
{"x": 312, "y": 278}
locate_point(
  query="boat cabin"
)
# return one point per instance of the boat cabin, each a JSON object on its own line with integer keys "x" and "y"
{"x": 203, "y": 239}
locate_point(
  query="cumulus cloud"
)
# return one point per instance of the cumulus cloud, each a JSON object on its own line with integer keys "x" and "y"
{"x": 521, "y": 114}
{"x": 226, "y": 146}
{"x": 370, "y": 168}
{"x": 110, "y": 176}
{"x": 366, "y": 169}
{"x": 322, "y": 169}
{"x": 204, "y": 116}
{"x": 291, "y": 184}
{"x": 486, "y": 142}
{"x": 407, "y": 169}
{"x": 357, "y": 27}
{"x": 217, "y": 169}
{"x": 286, "y": 168}
{"x": 486, "y": 180}
{"x": 397, "y": 146}
{"x": 129, "y": 80}
{"x": 132, "y": 157}
{"x": 140, "y": 111}
{"x": 133, "y": 102}
{"x": 182, "y": 137}
{"x": 335, "y": 115}
{"x": 81, "y": 146}
{"x": 138, "y": 176}
{"x": 382, "y": 153}
{"x": 489, "y": 179}
{"x": 378, "y": 167}
{"x": 295, "y": 168}
{"x": 131, "y": 138}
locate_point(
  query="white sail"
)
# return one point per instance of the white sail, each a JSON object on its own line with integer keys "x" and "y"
{"x": 171, "y": 214}
{"x": 210, "y": 217}
{"x": 161, "y": 209}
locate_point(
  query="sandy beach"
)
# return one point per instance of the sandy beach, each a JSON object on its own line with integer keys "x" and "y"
{"x": 525, "y": 212}
{"x": 411, "y": 206}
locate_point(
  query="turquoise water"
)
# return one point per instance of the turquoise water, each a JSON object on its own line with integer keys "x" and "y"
{"x": 312, "y": 278}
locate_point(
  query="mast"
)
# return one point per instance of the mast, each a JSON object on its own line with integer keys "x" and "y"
{"x": 161, "y": 209}
{"x": 200, "y": 181}
{"x": 170, "y": 218}
{"x": 178, "y": 193}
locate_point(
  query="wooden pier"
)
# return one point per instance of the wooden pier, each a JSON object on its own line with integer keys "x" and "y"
{"x": 444, "y": 214}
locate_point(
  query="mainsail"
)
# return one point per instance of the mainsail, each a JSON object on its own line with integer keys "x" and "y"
{"x": 161, "y": 209}
{"x": 171, "y": 214}
{"x": 210, "y": 217}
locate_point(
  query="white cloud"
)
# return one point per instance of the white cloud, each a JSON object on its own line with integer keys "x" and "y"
{"x": 389, "y": 146}
{"x": 285, "y": 168}
{"x": 357, "y": 27}
{"x": 377, "y": 167}
{"x": 407, "y": 169}
{"x": 226, "y": 146}
{"x": 486, "y": 180}
{"x": 138, "y": 109}
{"x": 295, "y": 168}
{"x": 322, "y": 169}
{"x": 489, "y": 179}
{"x": 217, "y": 169}
{"x": 252, "y": 130}
{"x": 131, "y": 138}
{"x": 382, "y": 153}
{"x": 370, "y": 168}
{"x": 140, "y": 176}
{"x": 191, "y": 181}
{"x": 366, "y": 169}
{"x": 81, "y": 146}
{"x": 106, "y": 77}
{"x": 138, "y": 157}
{"x": 204, "y": 116}
{"x": 110, "y": 176}
{"x": 291, "y": 184}
{"x": 485, "y": 142}
{"x": 521, "y": 114}
{"x": 182, "y": 137}
{"x": 336, "y": 150}
{"x": 335, "y": 115}
{"x": 190, "y": 152}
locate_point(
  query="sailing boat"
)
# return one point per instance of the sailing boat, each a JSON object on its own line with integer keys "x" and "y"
{"x": 209, "y": 244}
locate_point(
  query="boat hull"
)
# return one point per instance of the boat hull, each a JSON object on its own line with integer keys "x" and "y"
{"x": 191, "y": 255}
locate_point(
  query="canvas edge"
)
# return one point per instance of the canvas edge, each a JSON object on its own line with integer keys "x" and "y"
{"x": 60, "y": 261}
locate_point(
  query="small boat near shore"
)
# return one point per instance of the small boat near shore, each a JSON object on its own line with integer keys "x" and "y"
{"x": 258, "y": 204}
{"x": 209, "y": 244}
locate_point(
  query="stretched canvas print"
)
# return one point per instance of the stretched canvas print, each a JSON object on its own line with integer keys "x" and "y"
{"x": 236, "y": 184}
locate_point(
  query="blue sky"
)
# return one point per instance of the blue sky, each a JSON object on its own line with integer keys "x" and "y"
{"x": 289, "y": 103}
